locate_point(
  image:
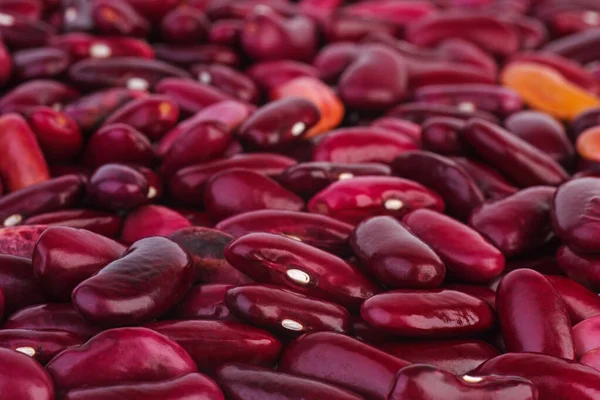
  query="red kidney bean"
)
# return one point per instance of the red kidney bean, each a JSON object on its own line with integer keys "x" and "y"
{"x": 19, "y": 32}
{"x": 51, "y": 317}
{"x": 552, "y": 376}
{"x": 51, "y": 195}
{"x": 151, "y": 220}
{"x": 418, "y": 112}
{"x": 64, "y": 257}
{"x": 442, "y": 135}
{"x": 278, "y": 260}
{"x": 204, "y": 302}
{"x": 457, "y": 356}
{"x": 587, "y": 119}
{"x": 91, "y": 110}
{"x": 543, "y": 132}
{"x": 495, "y": 99}
{"x": 228, "y": 80}
{"x": 574, "y": 214}
{"x": 196, "y": 218}
{"x": 488, "y": 32}
{"x": 344, "y": 27}
{"x": 31, "y": 9}
{"x": 100, "y": 222}
{"x": 186, "y": 56}
{"x": 156, "y": 269}
{"x": 445, "y": 73}
{"x": 524, "y": 301}
{"x": 466, "y": 52}
{"x": 58, "y": 135}
{"x": 40, "y": 345}
{"x": 23, "y": 378}
{"x": 360, "y": 145}
{"x": 153, "y": 10}
{"x": 432, "y": 313}
{"x": 405, "y": 128}
{"x": 458, "y": 189}
{"x": 425, "y": 382}
{"x": 271, "y": 74}
{"x": 581, "y": 303}
{"x": 285, "y": 312}
{"x": 371, "y": 374}
{"x": 82, "y": 45}
{"x": 213, "y": 343}
{"x": 278, "y": 124}
{"x": 366, "y": 333}
{"x": 399, "y": 13}
{"x": 414, "y": 264}
{"x": 118, "y": 187}
{"x": 20, "y": 286}
{"x": 20, "y": 240}
{"x": 316, "y": 230}
{"x": 493, "y": 185}
{"x": 585, "y": 335}
{"x": 578, "y": 47}
{"x": 582, "y": 268}
{"x": 481, "y": 292}
{"x": 27, "y": 96}
{"x": 184, "y": 25}
{"x": 39, "y": 63}
{"x": 135, "y": 73}
{"x": 514, "y": 157}
{"x": 518, "y": 223}
{"x": 206, "y": 247}
{"x": 253, "y": 192}
{"x": 113, "y": 17}
{"x": 333, "y": 59}
{"x": 190, "y": 385}
{"x": 122, "y": 355}
{"x": 225, "y": 32}
{"x": 532, "y": 32}
{"x": 5, "y": 64}
{"x": 354, "y": 199}
{"x": 466, "y": 254}
{"x": 117, "y": 143}
{"x": 189, "y": 95}
{"x": 591, "y": 359}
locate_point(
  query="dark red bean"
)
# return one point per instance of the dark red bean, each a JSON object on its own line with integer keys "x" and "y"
{"x": 5, "y": 64}
{"x": 581, "y": 303}
{"x": 405, "y": 128}
{"x": 184, "y": 25}
{"x": 591, "y": 359}
{"x": 418, "y": 112}
{"x": 20, "y": 240}
{"x": 189, "y": 55}
{"x": 481, "y": 292}
{"x": 114, "y": 17}
{"x": 39, "y": 63}
{"x": 466, "y": 254}
{"x": 23, "y": 378}
{"x": 19, "y": 32}
{"x": 457, "y": 356}
{"x": 214, "y": 343}
{"x": 64, "y": 257}
{"x": 118, "y": 143}
{"x": 414, "y": 264}
{"x": 153, "y": 10}
{"x": 518, "y": 223}
{"x": 151, "y": 220}
{"x": 82, "y": 45}
{"x": 442, "y": 135}
{"x": 118, "y": 187}
{"x": 31, "y": 9}
{"x": 587, "y": 119}
{"x": 371, "y": 373}
{"x": 277, "y": 260}
{"x": 577, "y": 47}
{"x": 242, "y": 382}
{"x": 491, "y": 183}
{"x": 582, "y": 268}
{"x": 552, "y": 376}
{"x": 58, "y": 135}
{"x": 333, "y": 59}
{"x": 225, "y": 32}
{"x": 156, "y": 269}
{"x": 19, "y": 284}
{"x": 402, "y": 13}
{"x": 228, "y": 80}
{"x": 40, "y": 345}
{"x": 344, "y": 27}
{"x": 270, "y": 74}
{"x": 446, "y": 73}
{"x": 100, "y": 222}
{"x": 585, "y": 335}
{"x": 119, "y": 356}
{"x": 524, "y": 301}
{"x": 425, "y": 382}
{"x": 189, "y": 95}
{"x": 204, "y": 302}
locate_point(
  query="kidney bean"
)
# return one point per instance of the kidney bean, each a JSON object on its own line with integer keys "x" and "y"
{"x": 117, "y": 143}
{"x": 188, "y": 55}
{"x": 590, "y": 359}
{"x": 398, "y": 13}
{"x": 577, "y": 47}
{"x": 272, "y": 74}
{"x": 23, "y": 378}
{"x": 113, "y": 357}
{"x": 532, "y": 32}
{"x": 228, "y": 80}
{"x": 40, "y": 345}
{"x": 17, "y": 281}
{"x": 412, "y": 265}
{"x": 151, "y": 220}
{"x": 184, "y": 25}
{"x": 584, "y": 121}
{"x": 5, "y": 64}
{"x": 64, "y": 257}
{"x": 425, "y": 382}
{"x": 442, "y": 135}
{"x": 402, "y": 127}
{"x": 514, "y": 157}
{"x": 585, "y": 336}
{"x": 523, "y": 301}
{"x": 354, "y": 199}
{"x": 285, "y": 312}
{"x": 518, "y": 223}
{"x": 31, "y": 9}
{"x": 225, "y": 32}
{"x": 481, "y": 292}
{"x": 196, "y": 218}
{"x": 581, "y": 268}
{"x": 345, "y": 27}
{"x": 366, "y": 333}
{"x": 333, "y": 59}
{"x": 241, "y": 382}
{"x": 445, "y": 73}
{"x": 204, "y": 302}
{"x": 58, "y": 135}
{"x": 278, "y": 260}
{"x": 552, "y": 376}
{"x": 102, "y": 223}
{"x": 457, "y": 356}
{"x": 20, "y": 240}
{"x": 432, "y": 313}
{"x": 371, "y": 374}
{"x": 118, "y": 187}
{"x": 27, "y": 96}
{"x": 75, "y": 15}
{"x": 19, "y": 32}
{"x": 153, "y": 10}
{"x": 493, "y": 185}
{"x": 189, "y": 95}
{"x": 118, "y": 18}
{"x": 39, "y": 63}
{"x": 111, "y": 297}
{"x": 213, "y": 343}
{"x": 418, "y": 112}
{"x": 82, "y": 45}
{"x": 581, "y": 303}
{"x": 191, "y": 385}
{"x": 135, "y": 73}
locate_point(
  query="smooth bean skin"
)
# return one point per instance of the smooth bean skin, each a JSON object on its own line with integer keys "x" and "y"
{"x": 213, "y": 343}
{"x": 204, "y": 302}
{"x": 342, "y": 361}
{"x": 18, "y": 282}
{"x": 432, "y": 313}
{"x": 244, "y": 382}
{"x": 555, "y": 378}
{"x": 285, "y": 312}
{"x": 40, "y": 345}
{"x": 277, "y": 260}
{"x": 581, "y": 302}
{"x": 585, "y": 335}
{"x": 481, "y": 292}
{"x": 119, "y": 356}
{"x": 457, "y": 356}
{"x": 151, "y": 220}
{"x": 394, "y": 256}
{"x": 591, "y": 359}
{"x": 525, "y": 301}
{"x": 466, "y": 254}
{"x": 151, "y": 277}
{"x": 493, "y": 185}
{"x": 582, "y": 268}
{"x": 518, "y": 223}
{"x": 441, "y": 135}
{"x": 426, "y": 382}
{"x": 22, "y": 378}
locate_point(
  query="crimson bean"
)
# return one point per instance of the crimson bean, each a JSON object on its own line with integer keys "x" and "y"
{"x": 82, "y": 45}
{"x": 39, "y": 63}
{"x": 442, "y": 135}
{"x": 5, "y": 64}
{"x": 40, "y": 345}
{"x": 225, "y": 32}
{"x": 445, "y": 73}
{"x": 31, "y": 9}
{"x": 493, "y": 185}
{"x": 64, "y": 257}
{"x": 466, "y": 52}
{"x": 58, "y": 135}
{"x": 189, "y": 95}
{"x": 117, "y": 143}
{"x": 114, "y": 17}
{"x": 19, "y": 284}
{"x": 481, "y": 292}
{"x": 122, "y": 355}
{"x": 100, "y": 222}
{"x": 20, "y": 240}
{"x": 585, "y": 335}
{"x": 204, "y": 302}
{"x": 118, "y": 187}
{"x": 153, "y": 10}
{"x": 188, "y": 55}
{"x": 271, "y": 74}
{"x": 228, "y": 80}
{"x": 334, "y": 59}
{"x": 151, "y": 220}
{"x": 405, "y": 128}
{"x": 213, "y": 343}
{"x": 344, "y": 27}
{"x": 418, "y": 112}
{"x": 577, "y": 47}
{"x": 23, "y": 378}
{"x": 582, "y": 268}
{"x": 278, "y": 260}
{"x": 581, "y": 302}
{"x": 425, "y": 382}
{"x": 184, "y": 25}
{"x": 591, "y": 359}
{"x": 19, "y": 32}
{"x": 371, "y": 373}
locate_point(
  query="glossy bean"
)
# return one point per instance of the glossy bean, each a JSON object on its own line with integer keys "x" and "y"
{"x": 24, "y": 378}
{"x": 82, "y": 45}
{"x": 418, "y": 112}
{"x": 100, "y": 222}
{"x": 271, "y": 74}
{"x": 578, "y": 47}
{"x": 205, "y": 301}
{"x": 493, "y": 185}
{"x": 117, "y": 143}
{"x": 58, "y": 135}
{"x": 186, "y": 56}
{"x": 151, "y": 220}
{"x": 39, "y": 345}
{"x": 585, "y": 335}
{"x": 25, "y": 97}
{"x": 118, "y": 18}
{"x": 184, "y": 25}
{"x": 228, "y": 80}
{"x": 118, "y": 187}
{"x": 441, "y": 135}
{"x": 40, "y": 63}
{"x": 191, "y": 96}
{"x": 581, "y": 303}
{"x": 582, "y": 268}
{"x": 19, "y": 32}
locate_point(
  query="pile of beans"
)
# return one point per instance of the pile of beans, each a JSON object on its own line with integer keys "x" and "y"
{"x": 300, "y": 200}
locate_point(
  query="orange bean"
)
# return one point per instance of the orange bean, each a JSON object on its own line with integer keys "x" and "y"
{"x": 588, "y": 144}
